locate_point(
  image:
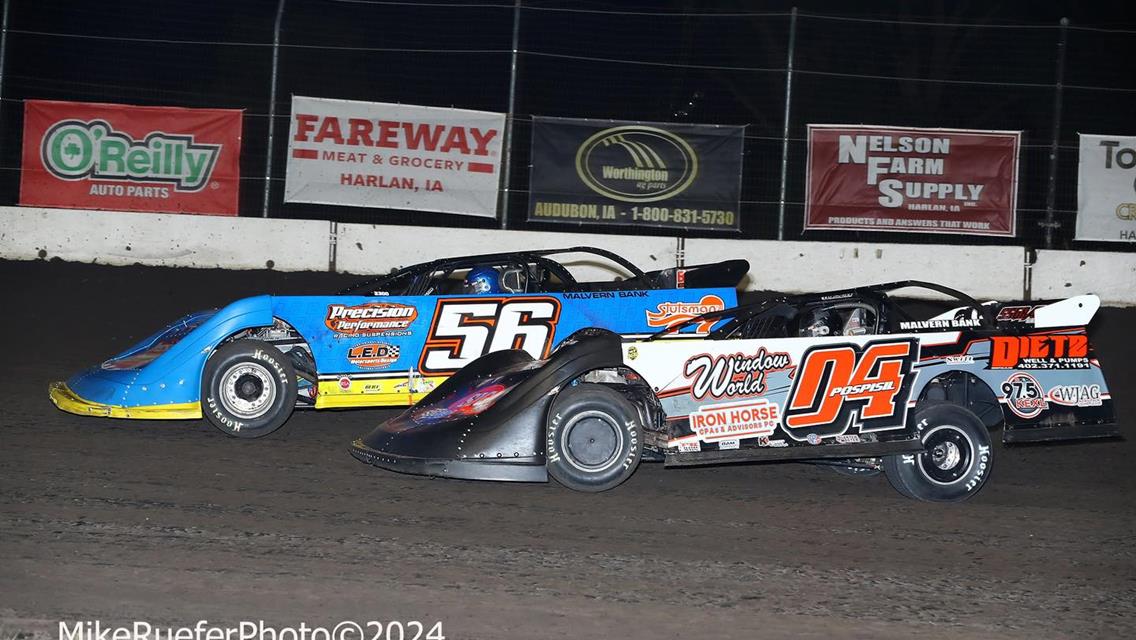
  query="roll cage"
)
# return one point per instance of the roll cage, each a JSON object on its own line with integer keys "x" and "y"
{"x": 536, "y": 272}
{"x": 771, "y": 317}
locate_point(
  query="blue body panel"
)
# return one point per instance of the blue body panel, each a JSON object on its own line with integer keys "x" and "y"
{"x": 166, "y": 368}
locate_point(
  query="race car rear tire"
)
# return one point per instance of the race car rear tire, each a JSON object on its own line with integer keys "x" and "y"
{"x": 248, "y": 389}
{"x": 956, "y": 460}
{"x": 593, "y": 438}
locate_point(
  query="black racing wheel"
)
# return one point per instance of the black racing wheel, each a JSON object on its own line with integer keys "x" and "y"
{"x": 593, "y": 438}
{"x": 248, "y": 389}
{"x": 956, "y": 460}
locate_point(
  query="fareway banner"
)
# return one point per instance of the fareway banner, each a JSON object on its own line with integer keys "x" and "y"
{"x": 1106, "y": 189}
{"x": 913, "y": 180}
{"x": 125, "y": 158}
{"x": 394, "y": 156}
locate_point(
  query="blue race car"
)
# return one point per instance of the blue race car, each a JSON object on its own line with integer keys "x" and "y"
{"x": 387, "y": 341}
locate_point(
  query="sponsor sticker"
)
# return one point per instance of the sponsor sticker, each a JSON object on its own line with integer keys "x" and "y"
{"x": 725, "y": 445}
{"x": 944, "y": 323}
{"x": 1042, "y": 351}
{"x": 373, "y": 355}
{"x": 736, "y": 374}
{"x": 1024, "y": 396}
{"x": 689, "y": 447}
{"x": 737, "y": 420}
{"x": 847, "y": 438}
{"x": 669, "y": 314}
{"x": 1022, "y": 314}
{"x": 1076, "y": 395}
{"x": 370, "y": 319}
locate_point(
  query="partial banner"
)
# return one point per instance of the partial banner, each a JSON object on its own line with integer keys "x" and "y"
{"x": 83, "y": 155}
{"x": 912, "y": 180}
{"x": 611, "y": 172}
{"x": 1106, "y": 189}
{"x": 394, "y": 156}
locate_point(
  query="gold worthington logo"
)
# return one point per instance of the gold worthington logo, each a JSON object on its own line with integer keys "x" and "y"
{"x": 636, "y": 163}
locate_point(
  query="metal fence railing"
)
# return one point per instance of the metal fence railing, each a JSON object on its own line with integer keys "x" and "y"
{"x": 774, "y": 71}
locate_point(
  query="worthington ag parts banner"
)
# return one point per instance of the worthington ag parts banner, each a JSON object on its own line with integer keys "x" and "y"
{"x": 113, "y": 156}
{"x": 394, "y": 156}
{"x": 685, "y": 176}
{"x": 1106, "y": 189}
{"x": 913, "y": 180}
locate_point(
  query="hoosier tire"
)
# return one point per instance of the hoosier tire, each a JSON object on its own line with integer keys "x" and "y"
{"x": 956, "y": 460}
{"x": 248, "y": 389}
{"x": 593, "y": 438}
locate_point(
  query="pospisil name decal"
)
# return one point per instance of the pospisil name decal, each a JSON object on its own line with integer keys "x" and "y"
{"x": 669, "y": 314}
{"x": 77, "y": 149}
{"x": 736, "y": 374}
{"x": 371, "y": 319}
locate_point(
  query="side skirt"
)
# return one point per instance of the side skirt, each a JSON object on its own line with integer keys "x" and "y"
{"x": 800, "y": 452}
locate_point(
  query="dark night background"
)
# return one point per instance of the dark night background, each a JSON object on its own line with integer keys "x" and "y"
{"x": 985, "y": 65}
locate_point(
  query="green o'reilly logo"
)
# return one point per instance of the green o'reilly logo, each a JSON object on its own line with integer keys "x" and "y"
{"x": 73, "y": 150}
{"x": 636, "y": 163}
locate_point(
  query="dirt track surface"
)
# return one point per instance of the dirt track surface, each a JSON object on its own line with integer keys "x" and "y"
{"x": 174, "y": 522}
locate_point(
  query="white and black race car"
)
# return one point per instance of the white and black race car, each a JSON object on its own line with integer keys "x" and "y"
{"x": 846, "y": 378}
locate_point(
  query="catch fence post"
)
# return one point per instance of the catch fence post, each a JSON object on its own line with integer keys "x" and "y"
{"x": 785, "y": 126}
{"x": 272, "y": 106}
{"x": 1055, "y": 142}
{"x": 507, "y": 143}
{"x": 3, "y": 52}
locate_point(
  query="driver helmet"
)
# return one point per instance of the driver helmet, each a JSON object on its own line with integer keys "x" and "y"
{"x": 819, "y": 323}
{"x": 860, "y": 322}
{"x": 482, "y": 280}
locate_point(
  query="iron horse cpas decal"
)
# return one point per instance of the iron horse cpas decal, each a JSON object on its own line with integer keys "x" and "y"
{"x": 838, "y": 384}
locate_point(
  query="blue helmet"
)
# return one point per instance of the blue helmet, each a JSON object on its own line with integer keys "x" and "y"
{"x": 482, "y": 280}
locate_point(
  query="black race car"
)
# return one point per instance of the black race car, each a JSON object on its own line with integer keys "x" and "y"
{"x": 846, "y": 377}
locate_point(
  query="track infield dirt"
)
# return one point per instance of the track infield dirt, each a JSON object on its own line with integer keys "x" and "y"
{"x": 173, "y": 522}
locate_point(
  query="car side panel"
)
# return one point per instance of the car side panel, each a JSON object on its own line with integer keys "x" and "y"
{"x": 392, "y": 350}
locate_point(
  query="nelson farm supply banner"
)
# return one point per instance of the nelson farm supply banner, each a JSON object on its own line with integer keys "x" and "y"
{"x": 394, "y": 156}
{"x": 684, "y": 176}
{"x": 1106, "y": 189}
{"x": 111, "y": 156}
{"x": 913, "y": 180}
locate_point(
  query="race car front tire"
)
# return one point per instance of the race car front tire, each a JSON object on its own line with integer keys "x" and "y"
{"x": 248, "y": 389}
{"x": 956, "y": 459}
{"x": 593, "y": 438}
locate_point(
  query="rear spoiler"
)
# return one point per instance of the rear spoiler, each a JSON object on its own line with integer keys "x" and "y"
{"x": 727, "y": 273}
{"x": 1076, "y": 311}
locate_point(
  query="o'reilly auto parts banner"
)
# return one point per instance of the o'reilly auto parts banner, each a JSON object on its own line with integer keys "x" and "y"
{"x": 1106, "y": 189}
{"x": 112, "y": 156}
{"x": 395, "y": 156}
{"x": 913, "y": 180}
{"x": 643, "y": 174}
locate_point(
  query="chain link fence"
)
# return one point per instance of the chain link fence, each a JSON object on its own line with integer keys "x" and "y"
{"x": 774, "y": 71}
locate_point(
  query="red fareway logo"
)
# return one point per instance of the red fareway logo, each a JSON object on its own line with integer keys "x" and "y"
{"x": 839, "y": 384}
{"x": 370, "y": 319}
{"x": 668, "y": 314}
